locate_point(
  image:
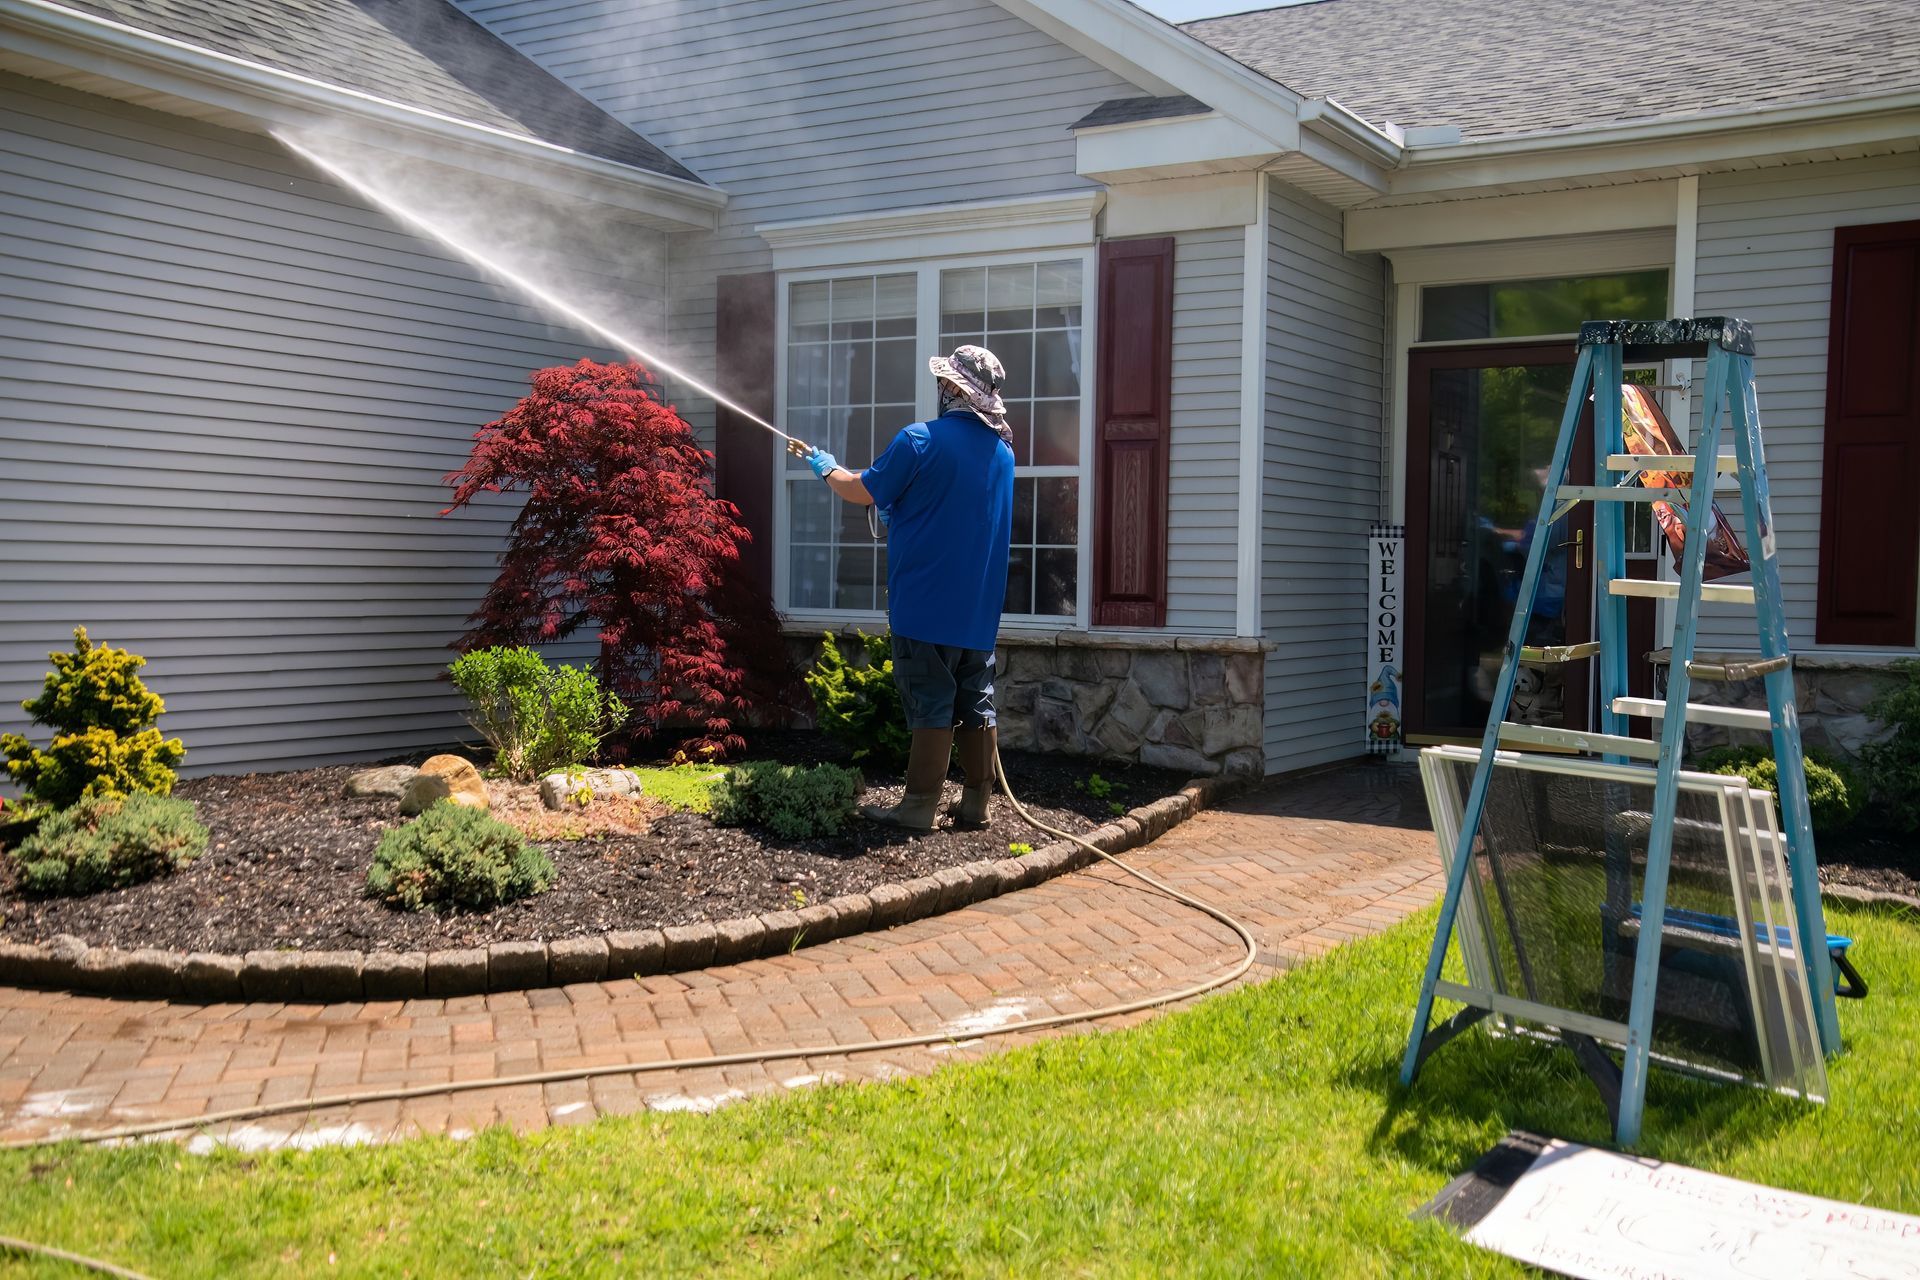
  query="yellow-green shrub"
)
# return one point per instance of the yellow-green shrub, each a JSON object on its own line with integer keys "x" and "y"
{"x": 104, "y": 742}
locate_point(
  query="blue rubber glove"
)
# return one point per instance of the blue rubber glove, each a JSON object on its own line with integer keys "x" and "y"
{"x": 822, "y": 462}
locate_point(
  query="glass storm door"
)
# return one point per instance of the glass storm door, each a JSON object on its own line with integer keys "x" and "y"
{"x": 1482, "y": 423}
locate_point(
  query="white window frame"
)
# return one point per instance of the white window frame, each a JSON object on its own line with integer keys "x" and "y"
{"x": 926, "y": 346}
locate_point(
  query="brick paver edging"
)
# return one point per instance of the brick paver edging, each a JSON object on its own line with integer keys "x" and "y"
{"x": 69, "y": 964}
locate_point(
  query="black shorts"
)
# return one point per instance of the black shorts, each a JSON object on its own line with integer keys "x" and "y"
{"x": 943, "y": 685}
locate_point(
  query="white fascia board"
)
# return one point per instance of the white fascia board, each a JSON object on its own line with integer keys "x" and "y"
{"x": 242, "y": 92}
{"x": 1689, "y": 141}
{"x": 1025, "y": 223}
{"x": 1515, "y": 217}
{"x": 1164, "y": 60}
{"x": 1177, "y": 148}
{"x": 1181, "y": 204}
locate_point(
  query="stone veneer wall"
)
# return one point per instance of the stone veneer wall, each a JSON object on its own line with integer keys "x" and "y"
{"x": 1192, "y": 703}
{"x": 1831, "y": 694}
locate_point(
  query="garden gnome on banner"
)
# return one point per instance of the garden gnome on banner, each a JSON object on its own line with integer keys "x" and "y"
{"x": 944, "y": 489}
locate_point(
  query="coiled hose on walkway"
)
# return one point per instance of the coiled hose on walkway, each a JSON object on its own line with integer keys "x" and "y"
{"x": 770, "y": 1054}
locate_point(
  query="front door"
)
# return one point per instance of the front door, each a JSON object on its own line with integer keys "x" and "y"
{"x": 1482, "y": 425}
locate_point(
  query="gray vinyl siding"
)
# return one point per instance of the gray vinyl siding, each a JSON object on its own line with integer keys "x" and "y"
{"x": 814, "y": 108}
{"x": 228, "y": 393}
{"x": 1203, "y": 498}
{"x": 1765, "y": 252}
{"x": 1326, "y": 338}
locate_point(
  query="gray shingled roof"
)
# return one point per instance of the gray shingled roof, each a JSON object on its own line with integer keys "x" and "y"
{"x": 1134, "y": 110}
{"x": 1497, "y": 67}
{"x": 420, "y": 53}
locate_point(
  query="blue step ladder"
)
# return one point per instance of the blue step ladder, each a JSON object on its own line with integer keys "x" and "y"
{"x": 1605, "y": 348}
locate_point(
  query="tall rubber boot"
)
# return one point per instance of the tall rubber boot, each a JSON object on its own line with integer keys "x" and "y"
{"x": 926, "y": 769}
{"x": 976, "y": 759}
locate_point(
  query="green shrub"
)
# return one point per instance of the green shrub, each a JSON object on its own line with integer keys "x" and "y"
{"x": 1892, "y": 765}
{"x": 104, "y": 742}
{"x": 1834, "y": 796}
{"x": 109, "y": 842}
{"x": 859, "y": 706}
{"x": 537, "y": 718}
{"x": 456, "y": 854}
{"x": 792, "y": 801}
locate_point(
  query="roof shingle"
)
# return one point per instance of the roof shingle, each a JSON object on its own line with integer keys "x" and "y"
{"x": 419, "y": 53}
{"x": 1497, "y": 67}
{"x": 1134, "y": 110}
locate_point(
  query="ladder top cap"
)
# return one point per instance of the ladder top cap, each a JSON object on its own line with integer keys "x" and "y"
{"x": 1654, "y": 339}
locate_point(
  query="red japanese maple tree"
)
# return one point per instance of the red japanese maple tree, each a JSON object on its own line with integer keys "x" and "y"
{"x": 621, "y": 533}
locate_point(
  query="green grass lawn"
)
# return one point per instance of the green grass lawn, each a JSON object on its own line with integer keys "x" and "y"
{"x": 1260, "y": 1133}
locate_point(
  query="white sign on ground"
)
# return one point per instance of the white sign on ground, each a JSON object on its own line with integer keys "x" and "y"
{"x": 1598, "y": 1215}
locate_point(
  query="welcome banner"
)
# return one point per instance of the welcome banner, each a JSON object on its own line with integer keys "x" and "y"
{"x": 1386, "y": 612}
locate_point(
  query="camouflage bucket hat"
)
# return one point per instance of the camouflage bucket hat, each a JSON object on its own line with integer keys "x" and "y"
{"x": 977, "y": 373}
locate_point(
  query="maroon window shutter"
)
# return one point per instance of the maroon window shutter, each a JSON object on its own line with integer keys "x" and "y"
{"x": 1133, "y": 419}
{"x": 744, "y": 368}
{"x": 1869, "y": 519}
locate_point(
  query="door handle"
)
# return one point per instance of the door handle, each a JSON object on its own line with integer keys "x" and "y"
{"x": 1579, "y": 544}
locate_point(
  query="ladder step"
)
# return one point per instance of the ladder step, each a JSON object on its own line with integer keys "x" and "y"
{"x": 1739, "y": 670}
{"x": 1539, "y": 735}
{"x": 1620, "y": 493}
{"x": 1697, "y": 713}
{"x": 1547, "y": 655}
{"x": 1727, "y": 464}
{"x": 1710, "y": 592}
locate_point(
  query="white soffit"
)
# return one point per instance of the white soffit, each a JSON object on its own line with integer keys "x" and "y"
{"x": 1024, "y": 224}
{"x": 1631, "y": 207}
{"x": 1541, "y": 257}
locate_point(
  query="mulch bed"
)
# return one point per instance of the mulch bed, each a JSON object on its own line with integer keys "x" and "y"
{"x": 1861, "y": 860}
{"x": 289, "y": 857}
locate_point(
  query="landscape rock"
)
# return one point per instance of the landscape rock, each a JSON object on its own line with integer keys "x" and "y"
{"x": 633, "y": 952}
{"x": 560, "y": 790}
{"x": 389, "y": 783}
{"x": 445, "y": 777}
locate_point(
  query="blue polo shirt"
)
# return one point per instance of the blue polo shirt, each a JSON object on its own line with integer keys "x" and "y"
{"x": 947, "y": 486}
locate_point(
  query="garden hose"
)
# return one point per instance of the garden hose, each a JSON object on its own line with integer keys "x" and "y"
{"x": 10, "y": 1245}
{"x": 748, "y": 1057}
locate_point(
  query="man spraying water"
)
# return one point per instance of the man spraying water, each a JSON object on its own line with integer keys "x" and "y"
{"x": 944, "y": 489}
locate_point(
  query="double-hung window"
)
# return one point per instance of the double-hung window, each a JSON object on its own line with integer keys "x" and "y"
{"x": 854, "y": 372}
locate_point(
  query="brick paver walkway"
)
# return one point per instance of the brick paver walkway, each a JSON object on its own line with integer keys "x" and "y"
{"x": 1308, "y": 864}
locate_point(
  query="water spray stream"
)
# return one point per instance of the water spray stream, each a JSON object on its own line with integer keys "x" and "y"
{"x": 524, "y": 285}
